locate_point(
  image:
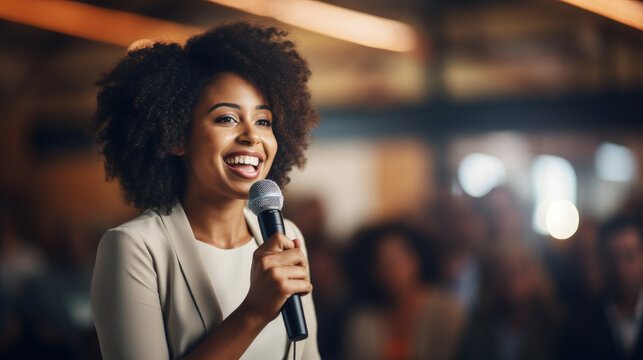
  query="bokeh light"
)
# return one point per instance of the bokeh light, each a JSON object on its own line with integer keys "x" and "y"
{"x": 561, "y": 219}
{"x": 553, "y": 178}
{"x": 615, "y": 163}
{"x": 479, "y": 173}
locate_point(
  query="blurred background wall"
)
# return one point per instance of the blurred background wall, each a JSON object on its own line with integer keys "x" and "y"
{"x": 541, "y": 100}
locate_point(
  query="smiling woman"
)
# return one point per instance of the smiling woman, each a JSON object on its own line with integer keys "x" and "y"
{"x": 231, "y": 130}
{"x": 187, "y": 131}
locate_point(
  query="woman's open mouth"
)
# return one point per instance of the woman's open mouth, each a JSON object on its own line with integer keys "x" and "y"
{"x": 246, "y": 166}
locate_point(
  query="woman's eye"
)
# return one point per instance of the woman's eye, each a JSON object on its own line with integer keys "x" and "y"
{"x": 264, "y": 122}
{"x": 226, "y": 119}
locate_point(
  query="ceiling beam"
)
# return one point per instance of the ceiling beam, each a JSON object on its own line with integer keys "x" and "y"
{"x": 92, "y": 22}
{"x": 629, "y": 12}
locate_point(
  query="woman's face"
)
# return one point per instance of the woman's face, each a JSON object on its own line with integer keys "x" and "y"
{"x": 397, "y": 268}
{"x": 231, "y": 144}
{"x": 515, "y": 278}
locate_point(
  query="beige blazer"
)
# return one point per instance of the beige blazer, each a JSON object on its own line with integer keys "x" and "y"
{"x": 151, "y": 294}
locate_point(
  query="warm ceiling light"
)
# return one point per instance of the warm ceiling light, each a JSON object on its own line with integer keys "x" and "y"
{"x": 92, "y": 22}
{"x": 629, "y": 12}
{"x": 334, "y": 21}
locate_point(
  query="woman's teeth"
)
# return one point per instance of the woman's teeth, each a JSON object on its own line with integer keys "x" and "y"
{"x": 243, "y": 160}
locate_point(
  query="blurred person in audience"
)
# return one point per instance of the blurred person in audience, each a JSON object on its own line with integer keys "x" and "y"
{"x": 55, "y": 306}
{"x": 330, "y": 293}
{"x": 504, "y": 216}
{"x": 612, "y": 327}
{"x": 458, "y": 235}
{"x": 587, "y": 259}
{"x": 518, "y": 316}
{"x": 398, "y": 315}
{"x": 575, "y": 266}
{"x": 20, "y": 262}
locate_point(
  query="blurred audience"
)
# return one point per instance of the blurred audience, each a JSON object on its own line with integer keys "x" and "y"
{"x": 45, "y": 293}
{"x": 20, "y": 262}
{"x": 574, "y": 264}
{"x": 330, "y": 295}
{"x": 504, "y": 216}
{"x": 458, "y": 236}
{"x": 518, "y": 316}
{"x": 398, "y": 315}
{"x": 462, "y": 279}
{"x": 612, "y": 327}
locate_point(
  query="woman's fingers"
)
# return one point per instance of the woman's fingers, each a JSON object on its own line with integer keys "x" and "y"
{"x": 284, "y": 258}
{"x": 302, "y": 287}
{"x": 279, "y": 270}
{"x": 279, "y": 250}
{"x": 289, "y": 273}
{"x": 278, "y": 242}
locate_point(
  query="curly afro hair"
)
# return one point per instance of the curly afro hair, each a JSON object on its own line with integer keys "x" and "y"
{"x": 145, "y": 104}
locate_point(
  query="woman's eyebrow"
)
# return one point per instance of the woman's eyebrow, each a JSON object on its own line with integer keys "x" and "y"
{"x": 224, "y": 104}
{"x": 232, "y": 105}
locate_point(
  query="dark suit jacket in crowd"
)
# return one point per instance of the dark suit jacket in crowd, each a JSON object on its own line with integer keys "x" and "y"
{"x": 589, "y": 336}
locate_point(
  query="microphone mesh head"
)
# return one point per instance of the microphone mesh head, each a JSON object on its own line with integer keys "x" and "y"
{"x": 265, "y": 195}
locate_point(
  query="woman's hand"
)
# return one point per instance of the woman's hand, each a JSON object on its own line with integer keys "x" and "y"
{"x": 279, "y": 270}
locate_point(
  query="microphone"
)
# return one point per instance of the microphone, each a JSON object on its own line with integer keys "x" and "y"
{"x": 266, "y": 201}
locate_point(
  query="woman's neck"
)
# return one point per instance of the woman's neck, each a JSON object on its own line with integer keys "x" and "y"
{"x": 217, "y": 222}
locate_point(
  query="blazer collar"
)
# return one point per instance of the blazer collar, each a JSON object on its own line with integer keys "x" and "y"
{"x": 196, "y": 275}
{"x": 253, "y": 225}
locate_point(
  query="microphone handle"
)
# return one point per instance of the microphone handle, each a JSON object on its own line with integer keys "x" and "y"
{"x": 271, "y": 222}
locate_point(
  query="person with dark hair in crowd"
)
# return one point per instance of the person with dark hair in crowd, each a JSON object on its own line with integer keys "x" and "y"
{"x": 398, "y": 315}
{"x": 612, "y": 328}
{"x": 458, "y": 236}
{"x": 518, "y": 316}
{"x": 187, "y": 130}
{"x": 324, "y": 254}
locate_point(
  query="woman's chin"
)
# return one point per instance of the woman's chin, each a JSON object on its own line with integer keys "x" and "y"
{"x": 241, "y": 190}
{"x": 239, "y": 186}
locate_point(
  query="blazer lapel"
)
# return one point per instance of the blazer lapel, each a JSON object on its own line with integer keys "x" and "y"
{"x": 253, "y": 225}
{"x": 194, "y": 271}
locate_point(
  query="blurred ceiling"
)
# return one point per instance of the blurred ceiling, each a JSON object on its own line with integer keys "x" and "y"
{"x": 470, "y": 50}
{"x": 525, "y": 65}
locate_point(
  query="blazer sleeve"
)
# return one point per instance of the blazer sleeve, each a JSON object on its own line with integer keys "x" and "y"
{"x": 125, "y": 299}
{"x": 311, "y": 350}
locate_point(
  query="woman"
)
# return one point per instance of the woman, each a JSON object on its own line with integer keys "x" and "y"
{"x": 187, "y": 130}
{"x": 518, "y": 316}
{"x": 404, "y": 317}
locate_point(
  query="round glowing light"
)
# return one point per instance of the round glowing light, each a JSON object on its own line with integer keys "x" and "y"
{"x": 479, "y": 173}
{"x": 615, "y": 163}
{"x": 553, "y": 178}
{"x": 562, "y": 219}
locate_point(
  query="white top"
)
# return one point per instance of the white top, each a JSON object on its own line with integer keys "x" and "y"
{"x": 229, "y": 271}
{"x": 627, "y": 328}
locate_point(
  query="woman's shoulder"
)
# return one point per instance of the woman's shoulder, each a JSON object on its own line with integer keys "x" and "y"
{"x": 148, "y": 220}
{"x": 138, "y": 232}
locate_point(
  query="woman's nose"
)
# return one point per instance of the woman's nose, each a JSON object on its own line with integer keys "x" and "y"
{"x": 248, "y": 134}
